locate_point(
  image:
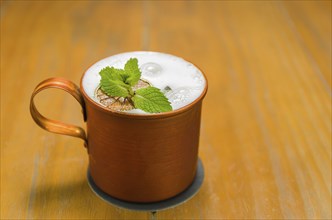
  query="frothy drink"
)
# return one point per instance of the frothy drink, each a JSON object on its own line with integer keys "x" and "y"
{"x": 179, "y": 80}
{"x": 136, "y": 156}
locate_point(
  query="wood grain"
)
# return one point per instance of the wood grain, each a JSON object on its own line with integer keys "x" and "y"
{"x": 266, "y": 125}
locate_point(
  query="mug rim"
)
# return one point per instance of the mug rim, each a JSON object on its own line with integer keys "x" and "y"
{"x": 150, "y": 115}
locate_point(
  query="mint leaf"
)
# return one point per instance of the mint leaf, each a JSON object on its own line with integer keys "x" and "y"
{"x": 151, "y": 99}
{"x": 112, "y": 82}
{"x": 114, "y": 87}
{"x": 111, "y": 73}
{"x": 132, "y": 72}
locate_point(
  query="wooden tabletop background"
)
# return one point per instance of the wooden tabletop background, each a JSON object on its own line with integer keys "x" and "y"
{"x": 266, "y": 125}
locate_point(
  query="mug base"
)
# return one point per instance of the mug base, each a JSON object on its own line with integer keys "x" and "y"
{"x": 153, "y": 206}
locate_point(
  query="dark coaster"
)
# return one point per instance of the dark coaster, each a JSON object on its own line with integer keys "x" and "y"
{"x": 154, "y": 206}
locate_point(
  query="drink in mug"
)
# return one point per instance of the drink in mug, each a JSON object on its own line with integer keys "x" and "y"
{"x": 134, "y": 155}
{"x": 179, "y": 80}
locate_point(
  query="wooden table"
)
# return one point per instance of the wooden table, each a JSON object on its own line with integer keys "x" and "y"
{"x": 266, "y": 124}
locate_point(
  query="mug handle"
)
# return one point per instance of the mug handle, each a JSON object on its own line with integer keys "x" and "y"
{"x": 53, "y": 125}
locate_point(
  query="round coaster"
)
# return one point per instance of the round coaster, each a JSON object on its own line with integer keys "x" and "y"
{"x": 153, "y": 206}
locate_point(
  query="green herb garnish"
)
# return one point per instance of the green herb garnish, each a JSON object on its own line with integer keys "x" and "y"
{"x": 120, "y": 82}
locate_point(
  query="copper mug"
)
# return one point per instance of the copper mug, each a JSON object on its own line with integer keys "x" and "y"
{"x": 135, "y": 158}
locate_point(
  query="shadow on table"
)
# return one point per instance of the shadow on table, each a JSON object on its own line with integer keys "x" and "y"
{"x": 76, "y": 200}
{"x": 70, "y": 199}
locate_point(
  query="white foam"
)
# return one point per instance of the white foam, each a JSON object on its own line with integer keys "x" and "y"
{"x": 161, "y": 70}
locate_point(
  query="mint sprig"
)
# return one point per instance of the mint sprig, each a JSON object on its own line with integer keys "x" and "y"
{"x": 120, "y": 82}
